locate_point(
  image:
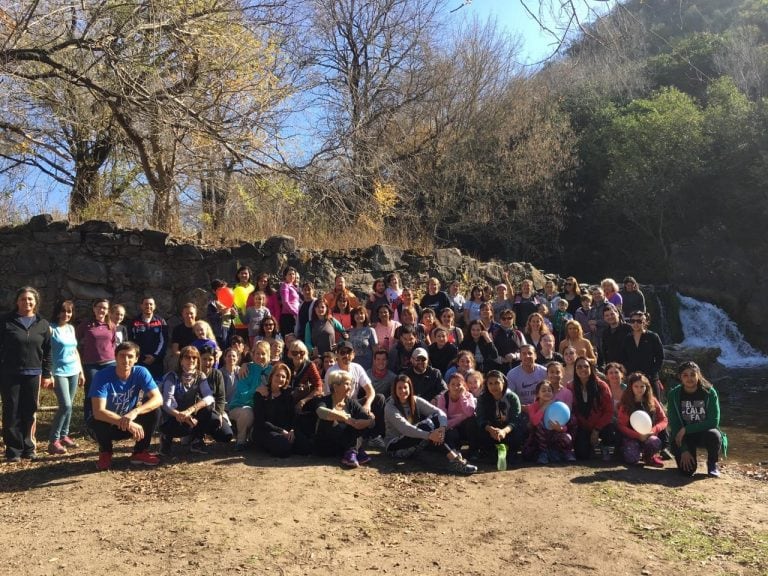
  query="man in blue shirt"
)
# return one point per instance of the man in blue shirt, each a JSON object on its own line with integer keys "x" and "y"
{"x": 117, "y": 413}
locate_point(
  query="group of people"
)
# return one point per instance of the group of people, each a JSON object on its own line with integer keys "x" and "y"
{"x": 289, "y": 371}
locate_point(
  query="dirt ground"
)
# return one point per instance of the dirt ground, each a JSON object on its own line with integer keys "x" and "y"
{"x": 231, "y": 513}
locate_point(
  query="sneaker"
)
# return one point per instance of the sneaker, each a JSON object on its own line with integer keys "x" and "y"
{"x": 105, "y": 461}
{"x": 32, "y": 455}
{"x": 713, "y": 470}
{"x": 198, "y": 447}
{"x": 363, "y": 457}
{"x": 166, "y": 446}
{"x": 12, "y": 459}
{"x": 67, "y": 442}
{"x": 376, "y": 443}
{"x": 570, "y": 456}
{"x": 543, "y": 458}
{"x": 461, "y": 466}
{"x": 606, "y": 454}
{"x": 144, "y": 458}
{"x": 655, "y": 461}
{"x": 555, "y": 456}
{"x": 666, "y": 454}
{"x": 350, "y": 459}
{"x": 56, "y": 447}
{"x": 240, "y": 446}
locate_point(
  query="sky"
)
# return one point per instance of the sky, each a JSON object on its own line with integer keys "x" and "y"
{"x": 537, "y": 44}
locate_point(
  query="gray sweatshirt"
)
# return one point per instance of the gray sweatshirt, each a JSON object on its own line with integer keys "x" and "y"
{"x": 398, "y": 425}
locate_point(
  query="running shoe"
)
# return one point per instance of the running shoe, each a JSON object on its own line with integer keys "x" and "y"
{"x": 56, "y": 447}
{"x": 67, "y": 442}
{"x": 363, "y": 457}
{"x": 105, "y": 461}
{"x": 144, "y": 458}
{"x": 350, "y": 459}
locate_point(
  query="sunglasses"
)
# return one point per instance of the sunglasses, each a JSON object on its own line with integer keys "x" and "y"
{"x": 636, "y": 321}
{"x": 297, "y": 353}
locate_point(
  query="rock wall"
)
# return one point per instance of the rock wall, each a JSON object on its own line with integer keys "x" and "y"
{"x": 96, "y": 259}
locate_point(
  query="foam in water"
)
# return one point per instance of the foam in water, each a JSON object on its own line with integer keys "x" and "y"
{"x": 705, "y": 324}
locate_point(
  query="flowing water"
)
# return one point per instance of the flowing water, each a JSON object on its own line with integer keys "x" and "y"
{"x": 743, "y": 390}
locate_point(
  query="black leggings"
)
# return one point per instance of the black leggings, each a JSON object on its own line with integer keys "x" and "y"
{"x": 710, "y": 439}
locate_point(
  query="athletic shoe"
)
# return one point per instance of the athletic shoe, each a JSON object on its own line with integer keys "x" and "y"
{"x": 606, "y": 454}
{"x": 713, "y": 470}
{"x": 13, "y": 459}
{"x": 655, "y": 461}
{"x": 461, "y": 466}
{"x": 67, "y": 442}
{"x": 198, "y": 447}
{"x": 555, "y": 456}
{"x": 570, "y": 456}
{"x": 105, "y": 461}
{"x": 363, "y": 457}
{"x": 350, "y": 459}
{"x": 56, "y": 447}
{"x": 144, "y": 458}
{"x": 166, "y": 446}
{"x": 666, "y": 454}
{"x": 32, "y": 455}
{"x": 543, "y": 458}
{"x": 376, "y": 443}
{"x": 240, "y": 446}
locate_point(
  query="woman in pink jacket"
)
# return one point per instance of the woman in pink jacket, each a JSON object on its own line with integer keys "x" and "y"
{"x": 459, "y": 405}
{"x": 290, "y": 301}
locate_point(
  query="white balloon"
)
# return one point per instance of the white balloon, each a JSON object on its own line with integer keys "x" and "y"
{"x": 641, "y": 422}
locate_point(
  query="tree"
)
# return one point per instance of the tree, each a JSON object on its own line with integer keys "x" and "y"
{"x": 174, "y": 77}
{"x": 656, "y": 148}
{"x": 371, "y": 60}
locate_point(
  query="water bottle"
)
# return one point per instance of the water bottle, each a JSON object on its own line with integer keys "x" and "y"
{"x": 501, "y": 456}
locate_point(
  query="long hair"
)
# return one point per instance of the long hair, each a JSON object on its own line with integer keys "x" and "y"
{"x": 544, "y": 329}
{"x": 354, "y": 312}
{"x": 189, "y": 351}
{"x": 628, "y": 396}
{"x": 411, "y": 400}
{"x": 591, "y": 386}
{"x": 62, "y": 306}
{"x": 689, "y": 364}
{"x": 275, "y": 369}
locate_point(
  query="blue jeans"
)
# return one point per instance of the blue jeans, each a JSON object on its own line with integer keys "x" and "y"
{"x": 65, "y": 388}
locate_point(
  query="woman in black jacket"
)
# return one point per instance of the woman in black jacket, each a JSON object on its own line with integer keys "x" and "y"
{"x": 25, "y": 364}
{"x": 480, "y": 343}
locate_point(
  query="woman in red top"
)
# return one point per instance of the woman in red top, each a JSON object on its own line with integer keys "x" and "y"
{"x": 96, "y": 344}
{"x": 639, "y": 396}
{"x": 593, "y": 411}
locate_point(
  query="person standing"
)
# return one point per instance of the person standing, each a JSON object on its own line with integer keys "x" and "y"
{"x": 25, "y": 364}
{"x": 150, "y": 333}
{"x": 67, "y": 374}
{"x": 634, "y": 299}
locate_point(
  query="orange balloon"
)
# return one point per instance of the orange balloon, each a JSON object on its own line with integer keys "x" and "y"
{"x": 225, "y": 296}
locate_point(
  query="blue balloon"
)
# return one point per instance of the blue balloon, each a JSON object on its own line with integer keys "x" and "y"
{"x": 557, "y": 412}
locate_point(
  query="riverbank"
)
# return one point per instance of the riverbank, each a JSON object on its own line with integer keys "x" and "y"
{"x": 229, "y": 513}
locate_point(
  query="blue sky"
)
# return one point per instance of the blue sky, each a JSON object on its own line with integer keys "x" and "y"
{"x": 510, "y": 14}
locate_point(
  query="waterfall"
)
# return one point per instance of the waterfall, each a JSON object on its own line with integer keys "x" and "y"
{"x": 705, "y": 324}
